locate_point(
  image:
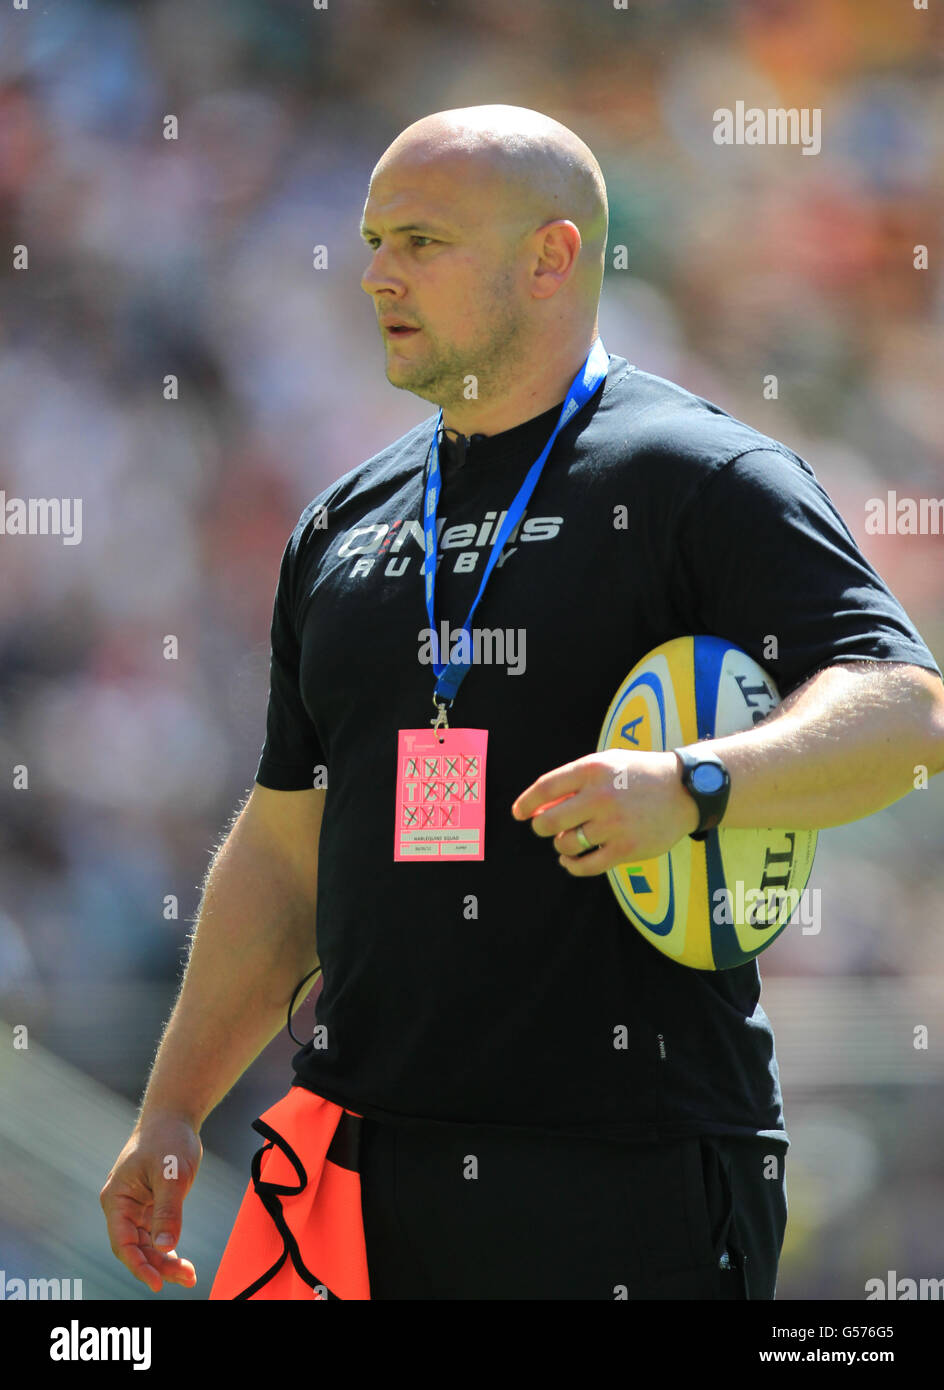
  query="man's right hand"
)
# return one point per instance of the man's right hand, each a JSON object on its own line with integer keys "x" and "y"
{"x": 143, "y": 1201}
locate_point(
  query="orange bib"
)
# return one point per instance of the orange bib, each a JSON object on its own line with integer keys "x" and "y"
{"x": 299, "y": 1232}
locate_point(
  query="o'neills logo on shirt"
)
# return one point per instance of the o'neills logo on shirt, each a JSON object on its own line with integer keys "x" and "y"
{"x": 394, "y": 545}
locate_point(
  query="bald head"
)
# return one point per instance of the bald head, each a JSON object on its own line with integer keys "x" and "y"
{"x": 488, "y": 228}
{"x": 532, "y": 170}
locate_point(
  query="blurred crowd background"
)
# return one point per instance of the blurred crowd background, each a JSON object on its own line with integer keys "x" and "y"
{"x": 193, "y": 257}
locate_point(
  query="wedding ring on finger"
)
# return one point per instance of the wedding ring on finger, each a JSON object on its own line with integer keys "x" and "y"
{"x": 584, "y": 842}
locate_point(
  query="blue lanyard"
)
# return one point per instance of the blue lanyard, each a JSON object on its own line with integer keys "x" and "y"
{"x": 584, "y": 384}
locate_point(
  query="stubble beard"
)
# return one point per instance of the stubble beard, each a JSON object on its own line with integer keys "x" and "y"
{"x": 453, "y": 377}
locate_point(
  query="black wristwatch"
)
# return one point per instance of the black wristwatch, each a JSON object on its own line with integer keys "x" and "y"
{"x": 706, "y": 779}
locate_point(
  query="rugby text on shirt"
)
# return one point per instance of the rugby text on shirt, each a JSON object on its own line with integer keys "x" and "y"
{"x": 381, "y": 538}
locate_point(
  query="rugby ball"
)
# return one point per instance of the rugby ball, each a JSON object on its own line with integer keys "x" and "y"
{"x": 716, "y": 903}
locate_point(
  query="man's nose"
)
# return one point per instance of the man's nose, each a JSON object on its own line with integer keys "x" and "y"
{"x": 380, "y": 276}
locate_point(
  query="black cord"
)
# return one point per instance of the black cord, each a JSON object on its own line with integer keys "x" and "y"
{"x": 460, "y": 444}
{"x": 301, "y": 1041}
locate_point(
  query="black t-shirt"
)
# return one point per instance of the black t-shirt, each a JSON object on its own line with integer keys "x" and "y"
{"x": 509, "y": 1012}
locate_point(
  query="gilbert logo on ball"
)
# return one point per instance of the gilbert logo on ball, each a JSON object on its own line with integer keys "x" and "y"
{"x": 716, "y": 903}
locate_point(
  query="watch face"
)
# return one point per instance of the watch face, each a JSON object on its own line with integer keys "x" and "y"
{"x": 707, "y": 779}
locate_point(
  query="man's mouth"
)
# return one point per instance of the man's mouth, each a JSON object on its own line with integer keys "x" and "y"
{"x": 400, "y": 331}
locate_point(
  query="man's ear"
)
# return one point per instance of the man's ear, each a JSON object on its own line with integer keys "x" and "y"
{"x": 557, "y": 246}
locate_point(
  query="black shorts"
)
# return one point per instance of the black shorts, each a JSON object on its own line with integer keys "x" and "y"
{"x": 455, "y": 1213}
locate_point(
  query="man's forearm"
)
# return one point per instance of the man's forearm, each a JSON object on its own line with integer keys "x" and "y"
{"x": 839, "y": 749}
{"x": 254, "y": 940}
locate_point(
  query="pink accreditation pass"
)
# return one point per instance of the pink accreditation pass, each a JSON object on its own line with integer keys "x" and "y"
{"x": 440, "y": 807}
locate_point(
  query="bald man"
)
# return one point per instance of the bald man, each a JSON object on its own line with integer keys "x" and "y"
{"x": 488, "y": 228}
{"x": 526, "y": 1099}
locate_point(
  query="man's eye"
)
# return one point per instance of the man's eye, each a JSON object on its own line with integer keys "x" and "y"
{"x": 415, "y": 240}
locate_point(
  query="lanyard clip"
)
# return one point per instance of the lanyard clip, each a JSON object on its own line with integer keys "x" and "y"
{"x": 440, "y": 722}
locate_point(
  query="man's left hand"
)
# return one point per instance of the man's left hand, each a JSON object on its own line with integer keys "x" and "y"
{"x": 631, "y": 805}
